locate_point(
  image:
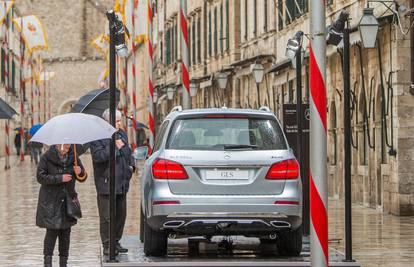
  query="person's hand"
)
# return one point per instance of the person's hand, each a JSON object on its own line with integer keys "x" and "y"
{"x": 66, "y": 178}
{"x": 77, "y": 169}
{"x": 119, "y": 143}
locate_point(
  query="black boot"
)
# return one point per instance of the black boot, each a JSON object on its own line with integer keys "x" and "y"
{"x": 47, "y": 261}
{"x": 120, "y": 248}
{"x": 63, "y": 261}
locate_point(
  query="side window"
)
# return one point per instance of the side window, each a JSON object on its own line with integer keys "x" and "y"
{"x": 160, "y": 136}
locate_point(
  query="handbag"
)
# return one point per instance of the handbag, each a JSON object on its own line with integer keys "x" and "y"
{"x": 73, "y": 208}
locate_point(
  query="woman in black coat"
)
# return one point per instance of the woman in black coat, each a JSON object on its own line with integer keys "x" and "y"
{"x": 56, "y": 173}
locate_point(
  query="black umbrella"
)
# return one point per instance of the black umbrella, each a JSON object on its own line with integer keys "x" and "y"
{"x": 6, "y": 111}
{"x": 95, "y": 102}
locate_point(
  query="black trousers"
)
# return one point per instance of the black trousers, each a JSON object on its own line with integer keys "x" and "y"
{"x": 50, "y": 240}
{"x": 120, "y": 217}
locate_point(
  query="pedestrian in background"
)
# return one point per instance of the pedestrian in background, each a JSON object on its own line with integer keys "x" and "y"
{"x": 17, "y": 142}
{"x": 124, "y": 168}
{"x": 56, "y": 173}
{"x": 35, "y": 151}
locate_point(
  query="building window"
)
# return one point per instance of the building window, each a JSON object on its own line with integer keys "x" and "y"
{"x": 189, "y": 42}
{"x": 265, "y": 16}
{"x": 13, "y": 84}
{"x": 227, "y": 26}
{"x": 209, "y": 34}
{"x": 193, "y": 42}
{"x": 168, "y": 47}
{"x": 176, "y": 42}
{"x": 246, "y": 19}
{"x": 198, "y": 40}
{"x": 173, "y": 43}
{"x": 255, "y": 17}
{"x": 161, "y": 52}
{"x": 290, "y": 10}
{"x": 329, "y": 2}
{"x": 221, "y": 29}
{"x": 280, "y": 14}
{"x": 290, "y": 92}
{"x": 215, "y": 32}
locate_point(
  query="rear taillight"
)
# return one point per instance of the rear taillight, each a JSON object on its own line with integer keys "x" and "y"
{"x": 286, "y": 202}
{"x": 287, "y": 169}
{"x": 167, "y": 169}
{"x": 165, "y": 202}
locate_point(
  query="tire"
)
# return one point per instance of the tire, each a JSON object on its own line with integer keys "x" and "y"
{"x": 141, "y": 226}
{"x": 155, "y": 242}
{"x": 290, "y": 243}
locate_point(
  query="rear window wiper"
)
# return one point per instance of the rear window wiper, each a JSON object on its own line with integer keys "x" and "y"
{"x": 240, "y": 146}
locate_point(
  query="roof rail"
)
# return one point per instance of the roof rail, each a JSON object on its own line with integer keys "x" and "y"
{"x": 176, "y": 109}
{"x": 264, "y": 108}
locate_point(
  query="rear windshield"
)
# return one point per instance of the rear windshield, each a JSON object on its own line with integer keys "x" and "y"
{"x": 226, "y": 134}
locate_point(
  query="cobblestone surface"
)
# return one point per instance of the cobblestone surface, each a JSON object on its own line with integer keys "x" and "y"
{"x": 378, "y": 239}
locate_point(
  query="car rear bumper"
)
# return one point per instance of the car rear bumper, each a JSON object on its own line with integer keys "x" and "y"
{"x": 222, "y": 223}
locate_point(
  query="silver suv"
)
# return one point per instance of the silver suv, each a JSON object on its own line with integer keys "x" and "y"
{"x": 221, "y": 172}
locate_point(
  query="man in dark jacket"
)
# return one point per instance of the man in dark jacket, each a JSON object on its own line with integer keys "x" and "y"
{"x": 124, "y": 167}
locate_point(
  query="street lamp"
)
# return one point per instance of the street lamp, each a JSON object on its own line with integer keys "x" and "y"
{"x": 222, "y": 78}
{"x": 294, "y": 53}
{"x": 170, "y": 93}
{"x": 336, "y": 30}
{"x": 193, "y": 89}
{"x": 368, "y": 28}
{"x": 339, "y": 30}
{"x": 116, "y": 45}
{"x": 257, "y": 70}
{"x": 294, "y": 45}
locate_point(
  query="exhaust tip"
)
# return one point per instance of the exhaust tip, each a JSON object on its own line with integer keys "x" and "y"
{"x": 280, "y": 224}
{"x": 173, "y": 224}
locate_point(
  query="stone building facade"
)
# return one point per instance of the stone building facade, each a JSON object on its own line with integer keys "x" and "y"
{"x": 70, "y": 28}
{"x": 229, "y": 35}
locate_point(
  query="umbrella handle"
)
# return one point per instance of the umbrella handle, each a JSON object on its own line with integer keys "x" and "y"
{"x": 79, "y": 178}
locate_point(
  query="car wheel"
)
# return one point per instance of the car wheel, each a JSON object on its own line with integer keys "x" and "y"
{"x": 141, "y": 226}
{"x": 155, "y": 242}
{"x": 289, "y": 243}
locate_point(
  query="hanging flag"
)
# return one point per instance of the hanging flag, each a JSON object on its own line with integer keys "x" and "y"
{"x": 141, "y": 26}
{"x": 34, "y": 34}
{"x": 5, "y": 7}
{"x": 101, "y": 44}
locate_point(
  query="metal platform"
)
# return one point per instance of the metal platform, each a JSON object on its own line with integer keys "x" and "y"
{"x": 243, "y": 252}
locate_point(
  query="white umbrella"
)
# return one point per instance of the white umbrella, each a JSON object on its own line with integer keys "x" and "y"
{"x": 73, "y": 128}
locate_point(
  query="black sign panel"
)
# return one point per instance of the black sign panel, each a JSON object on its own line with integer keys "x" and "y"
{"x": 290, "y": 127}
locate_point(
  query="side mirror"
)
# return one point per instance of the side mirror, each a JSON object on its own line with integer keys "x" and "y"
{"x": 140, "y": 153}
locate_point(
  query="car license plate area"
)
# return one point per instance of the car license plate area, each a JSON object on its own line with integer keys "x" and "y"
{"x": 226, "y": 174}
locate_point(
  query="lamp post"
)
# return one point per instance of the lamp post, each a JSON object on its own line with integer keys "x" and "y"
{"x": 294, "y": 53}
{"x": 222, "y": 80}
{"x": 170, "y": 93}
{"x": 257, "y": 70}
{"x": 338, "y": 31}
{"x": 368, "y": 27}
{"x": 116, "y": 45}
{"x": 193, "y": 89}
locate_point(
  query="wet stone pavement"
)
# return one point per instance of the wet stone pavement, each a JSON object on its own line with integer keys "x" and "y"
{"x": 378, "y": 239}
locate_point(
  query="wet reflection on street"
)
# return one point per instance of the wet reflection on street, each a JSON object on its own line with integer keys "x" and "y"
{"x": 378, "y": 240}
{"x": 21, "y": 241}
